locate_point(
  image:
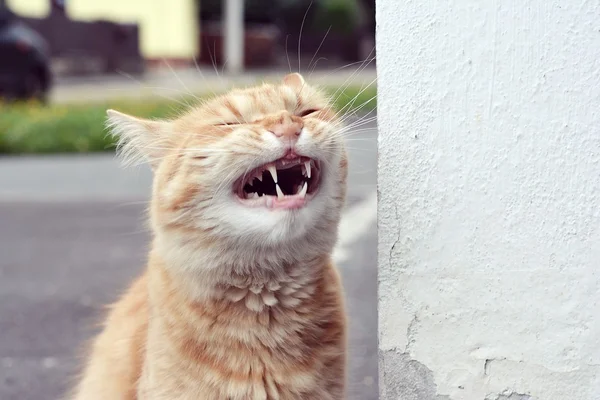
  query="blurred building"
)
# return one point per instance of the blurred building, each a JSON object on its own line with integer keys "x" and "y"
{"x": 167, "y": 28}
{"x": 129, "y": 35}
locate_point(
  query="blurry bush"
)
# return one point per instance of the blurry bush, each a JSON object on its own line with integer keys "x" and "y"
{"x": 80, "y": 128}
{"x": 33, "y": 128}
{"x": 343, "y": 16}
{"x": 347, "y": 21}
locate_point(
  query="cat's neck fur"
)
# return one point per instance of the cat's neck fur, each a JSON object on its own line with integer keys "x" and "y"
{"x": 209, "y": 271}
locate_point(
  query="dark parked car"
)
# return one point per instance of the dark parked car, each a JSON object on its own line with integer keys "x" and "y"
{"x": 24, "y": 60}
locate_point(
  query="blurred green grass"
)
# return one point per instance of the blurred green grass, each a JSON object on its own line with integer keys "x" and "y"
{"x": 30, "y": 128}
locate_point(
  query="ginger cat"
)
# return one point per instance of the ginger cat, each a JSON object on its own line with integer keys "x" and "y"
{"x": 240, "y": 299}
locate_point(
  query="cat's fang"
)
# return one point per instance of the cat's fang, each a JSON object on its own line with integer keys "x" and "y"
{"x": 280, "y": 194}
{"x": 302, "y": 192}
{"x": 273, "y": 172}
{"x": 307, "y": 167}
{"x": 253, "y": 195}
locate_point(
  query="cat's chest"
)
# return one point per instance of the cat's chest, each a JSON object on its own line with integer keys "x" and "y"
{"x": 271, "y": 355}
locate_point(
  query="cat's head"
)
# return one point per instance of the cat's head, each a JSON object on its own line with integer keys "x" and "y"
{"x": 259, "y": 166}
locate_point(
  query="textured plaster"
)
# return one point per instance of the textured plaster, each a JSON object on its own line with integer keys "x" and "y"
{"x": 489, "y": 199}
{"x": 511, "y": 396}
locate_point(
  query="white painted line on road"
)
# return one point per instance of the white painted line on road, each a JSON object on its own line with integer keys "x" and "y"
{"x": 356, "y": 220}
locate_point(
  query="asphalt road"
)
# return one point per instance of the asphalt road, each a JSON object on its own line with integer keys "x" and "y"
{"x": 72, "y": 236}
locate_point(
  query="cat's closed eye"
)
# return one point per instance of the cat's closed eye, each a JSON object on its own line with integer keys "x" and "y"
{"x": 306, "y": 113}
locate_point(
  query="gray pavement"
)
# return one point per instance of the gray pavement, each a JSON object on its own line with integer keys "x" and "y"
{"x": 73, "y": 235}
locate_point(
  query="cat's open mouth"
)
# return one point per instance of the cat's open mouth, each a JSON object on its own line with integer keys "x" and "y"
{"x": 284, "y": 183}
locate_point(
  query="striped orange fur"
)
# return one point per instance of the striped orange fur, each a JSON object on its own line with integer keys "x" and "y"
{"x": 237, "y": 302}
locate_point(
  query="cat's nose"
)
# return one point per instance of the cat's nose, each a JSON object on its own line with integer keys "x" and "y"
{"x": 287, "y": 131}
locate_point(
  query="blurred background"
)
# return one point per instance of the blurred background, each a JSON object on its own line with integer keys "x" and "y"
{"x": 68, "y": 38}
{"x": 72, "y": 221}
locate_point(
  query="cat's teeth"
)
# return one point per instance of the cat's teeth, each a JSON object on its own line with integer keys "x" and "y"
{"x": 280, "y": 194}
{"x": 273, "y": 172}
{"x": 259, "y": 176}
{"x": 253, "y": 195}
{"x": 302, "y": 192}
{"x": 307, "y": 166}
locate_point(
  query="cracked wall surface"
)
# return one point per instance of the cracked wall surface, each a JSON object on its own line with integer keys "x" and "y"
{"x": 489, "y": 199}
{"x": 511, "y": 396}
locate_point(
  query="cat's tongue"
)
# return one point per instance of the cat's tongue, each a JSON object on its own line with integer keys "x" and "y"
{"x": 287, "y": 203}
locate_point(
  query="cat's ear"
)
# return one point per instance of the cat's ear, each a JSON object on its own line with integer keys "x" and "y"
{"x": 294, "y": 80}
{"x": 139, "y": 140}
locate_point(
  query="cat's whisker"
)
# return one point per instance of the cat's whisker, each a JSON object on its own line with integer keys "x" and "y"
{"x": 213, "y": 58}
{"x": 179, "y": 79}
{"x": 351, "y": 103}
{"x": 366, "y": 116}
{"x": 159, "y": 88}
{"x": 132, "y": 203}
{"x": 300, "y": 34}
{"x": 286, "y": 52}
{"x": 203, "y": 76}
{"x": 332, "y": 142}
{"x": 351, "y": 112}
{"x": 357, "y": 124}
{"x": 360, "y": 107}
{"x": 318, "y": 48}
{"x": 367, "y": 60}
{"x": 347, "y": 109}
{"x": 349, "y": 140}
{"x": 223, "y": 67}
{"x": 360, "y": 121}
{"x": 351, "y": 131}
{"x": 365, "y": 171}
{"x": 315, "y": 65}
{"x": 141, "y": 84}
{"x": 361, "y": 149}
{"x": 346, "y": 83}
{"x": 156, "y": 88}
{"x": 357, "y": 127}
{"x": 135, "y": 232}
{"x": 360, "y": 116}
{"x": 363, "y": 65}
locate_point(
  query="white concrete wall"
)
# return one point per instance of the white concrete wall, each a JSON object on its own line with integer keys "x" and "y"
{"x": 489, "y": 199}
